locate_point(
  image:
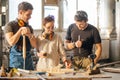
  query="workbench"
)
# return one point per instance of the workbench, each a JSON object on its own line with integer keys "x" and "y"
{"x": 65, "y": 76}
{"x": 113, "y": 76}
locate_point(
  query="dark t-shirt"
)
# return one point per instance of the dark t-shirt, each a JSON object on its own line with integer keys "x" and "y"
{"x": 88, "y": 36}
{"x": 14, "y": 27}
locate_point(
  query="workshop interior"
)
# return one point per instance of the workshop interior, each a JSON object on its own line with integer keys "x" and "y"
{"x": 103, "y": 14}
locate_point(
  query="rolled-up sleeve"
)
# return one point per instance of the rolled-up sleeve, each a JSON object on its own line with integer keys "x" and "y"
{"x": 8, "y": 28}
{"x": 68, "y": 33}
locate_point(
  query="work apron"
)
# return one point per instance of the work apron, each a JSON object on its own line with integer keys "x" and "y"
{"x": 16, "y": 56}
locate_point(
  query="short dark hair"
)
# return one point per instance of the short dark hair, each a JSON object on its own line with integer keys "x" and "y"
{"x": 25, "y": 6}
{"x": 81, "y": 16}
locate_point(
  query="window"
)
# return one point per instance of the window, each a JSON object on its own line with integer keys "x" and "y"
{"x": 90, "y": 6}
{"x": 52, "y": 10}
{"x": 71, "y": 6}
{"x": 68, "y": 12}
{"x": 69, "y": 9}
{"x": 36, "y": 16}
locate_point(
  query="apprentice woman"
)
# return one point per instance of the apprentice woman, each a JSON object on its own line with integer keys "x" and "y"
{"x": 50, "y": 47}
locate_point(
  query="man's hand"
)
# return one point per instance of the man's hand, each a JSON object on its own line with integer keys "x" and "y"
{"x": 78, "y": 44}
{"x": 71, "y": 45}
{"x": 25, "y": 30}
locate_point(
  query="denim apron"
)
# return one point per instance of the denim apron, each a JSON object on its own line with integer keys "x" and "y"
{"x": 16, "y": 55}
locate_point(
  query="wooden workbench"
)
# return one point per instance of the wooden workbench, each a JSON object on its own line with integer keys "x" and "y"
{"x": 33, "y": 75}
{"x": 65, "y": 76}
{"x": 44, "y": 77}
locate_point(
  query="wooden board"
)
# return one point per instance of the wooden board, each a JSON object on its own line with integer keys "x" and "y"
{"x": 70, "y": 79}
{"x": 61, "y": 71}
{"x": 114, "y": 70}
{"x": 101, "y": 75}
{"x": 19, "y": 79}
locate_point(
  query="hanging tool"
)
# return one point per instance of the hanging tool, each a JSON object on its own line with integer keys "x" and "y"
{"x": 24, "y": 50}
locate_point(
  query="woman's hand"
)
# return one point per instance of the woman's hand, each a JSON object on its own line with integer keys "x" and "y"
{"x": 42, "y": 54}
{"x": 67, "y": 64}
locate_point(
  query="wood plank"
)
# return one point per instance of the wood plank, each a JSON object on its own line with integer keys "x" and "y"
{"x": 19, "y": 79}
{"x": 101, "y": 75}
{"x": 70, "y": 79}
{"x": 114, "y": 70}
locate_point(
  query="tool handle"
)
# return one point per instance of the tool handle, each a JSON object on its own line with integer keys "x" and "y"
{"x": 24, "y": 71}
{"x": 79, "y": 40}
{"x": 79, "y": 37}
{"x": 24, "y": 47}
{"x": 24, "y": 50}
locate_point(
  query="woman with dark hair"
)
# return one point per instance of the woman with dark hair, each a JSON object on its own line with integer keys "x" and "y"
{"x": 49, "y": 46}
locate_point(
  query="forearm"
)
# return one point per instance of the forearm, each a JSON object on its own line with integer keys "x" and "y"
{"x": 13, "y": 38}
{"x": 32, "y": 40}
{"x": 62, "y": 52}
{"x": 98, "y": 53}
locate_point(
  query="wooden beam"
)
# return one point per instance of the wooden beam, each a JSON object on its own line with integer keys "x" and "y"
{"x": 51, "y": 2}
